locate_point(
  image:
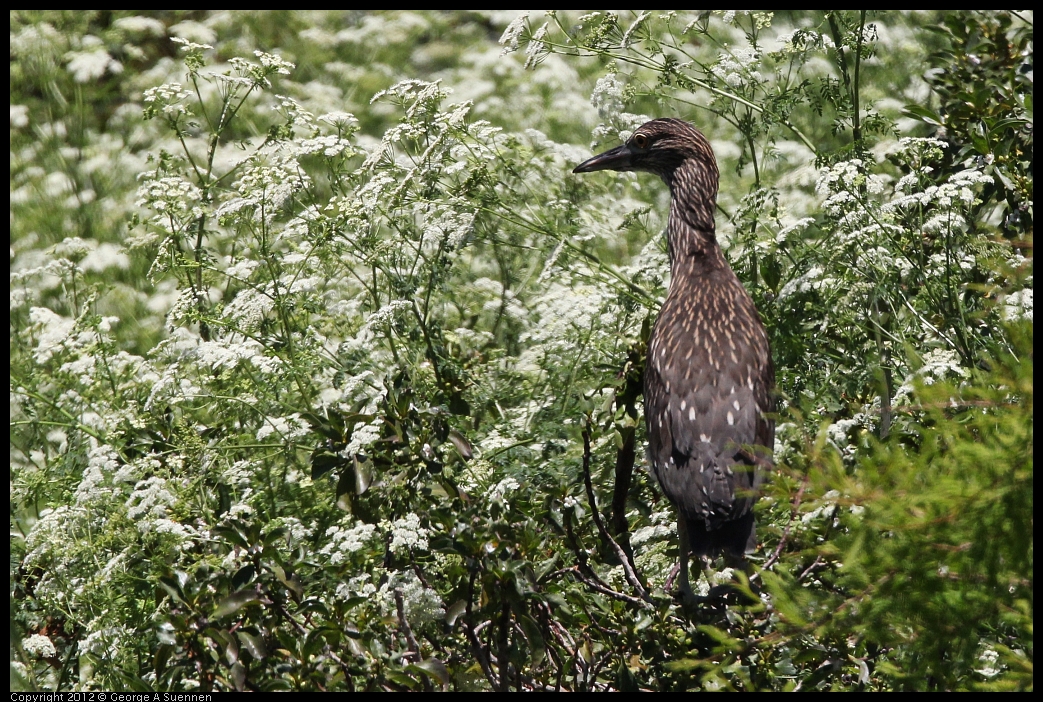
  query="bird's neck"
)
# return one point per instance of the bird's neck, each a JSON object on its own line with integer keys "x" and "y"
{"x": 690, "y": 231}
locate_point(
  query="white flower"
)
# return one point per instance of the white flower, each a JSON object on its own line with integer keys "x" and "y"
{"x": 19, "y": 116}
{"x": 535, "y": 44}
{"x": 990, "y": 665}
{"x": 277, "y": 63}
{"x": 287, "y": 428}
{"x": 86, "y": 66}
{"x": 150, "y": 497}
{"x": 53, "y": 332}
{"x": 420, "y": 604}
{"x": 510, "y": 36}
{"x": 363, "y": 437}
{"x": 1018, "y": 306}
{"x": 502, "y": 489}
{"x": 40, "y": 646}
{"x": 141, "y": 25}
{"x": 407, "y": 534}
{"x": 346, "y": 541}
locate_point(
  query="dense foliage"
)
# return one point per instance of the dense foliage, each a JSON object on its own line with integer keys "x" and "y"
{"x": 325, "y": 369}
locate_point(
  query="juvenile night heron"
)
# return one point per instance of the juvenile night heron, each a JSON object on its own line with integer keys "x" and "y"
{"x": 709, "y": 376}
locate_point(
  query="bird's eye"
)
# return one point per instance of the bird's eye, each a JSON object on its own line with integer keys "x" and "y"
{"x": 641, "y": 141}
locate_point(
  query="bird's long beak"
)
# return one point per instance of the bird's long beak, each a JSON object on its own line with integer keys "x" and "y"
{"x": 617, "y": 159}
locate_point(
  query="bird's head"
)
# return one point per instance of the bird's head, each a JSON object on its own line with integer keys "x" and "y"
{"x": 661, "y": 147}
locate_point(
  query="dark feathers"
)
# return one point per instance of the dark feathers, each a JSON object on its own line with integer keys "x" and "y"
{"x": 709, "y": 377}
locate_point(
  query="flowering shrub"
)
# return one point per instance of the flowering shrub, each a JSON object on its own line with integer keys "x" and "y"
{"x": 334, "y": 384}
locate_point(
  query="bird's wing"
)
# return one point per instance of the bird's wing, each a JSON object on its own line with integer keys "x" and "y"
{"x": 709, "y": 433}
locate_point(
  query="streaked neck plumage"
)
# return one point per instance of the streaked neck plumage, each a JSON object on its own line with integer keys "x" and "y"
{"x": 691, "y": 231}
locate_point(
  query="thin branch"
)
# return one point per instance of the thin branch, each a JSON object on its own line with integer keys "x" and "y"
{"x": 628, "y": 566}
{"x": 789, "y": 525}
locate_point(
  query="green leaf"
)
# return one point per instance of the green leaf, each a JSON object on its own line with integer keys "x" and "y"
{"x": 922, "y": 113}
{"x": 432, "y": 668}
{"x": 234, "y": 602}
{"x": 253, "y": 643}
{"x": 537, "y": 646}
{"x": 453, "y": 612}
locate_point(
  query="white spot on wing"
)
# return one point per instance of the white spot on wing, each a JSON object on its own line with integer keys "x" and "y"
{"x": 691, "y": 414}
{"x": 731, "y": 419}
{"x": 684, "y": 405}
{"x": 704, "y": 437}
{"x": 736, "y": 405}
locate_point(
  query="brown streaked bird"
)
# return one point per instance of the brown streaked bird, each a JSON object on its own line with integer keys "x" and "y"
{"x": 709, "y": 377}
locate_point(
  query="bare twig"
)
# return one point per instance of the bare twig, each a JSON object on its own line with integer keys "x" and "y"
{"x": 669, "y": 584}
{"x": 815, "y": 564}
{"x": 472, "y": 634}
{"x": 785, "y": 534}
{"x": 414, "y": 647}
{"x": 628, "y": 567}
{"x": 606, "y": 590}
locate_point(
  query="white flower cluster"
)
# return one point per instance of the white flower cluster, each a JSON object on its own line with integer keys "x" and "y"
{"x": 173, "y": 199}
{"x": 825, "y": 507}
{"x": 503, "y": 488}
{"x": 1018, "y": 306}
{"x": 102, "y": 464}
{"x": 150, "y": 497}
{"x": 375, "y": 320}
{"x": 184, "y": 535}
{"x": 19, "y": 116}
{"x": 566, "y": 312}
{"x": 761, "y": 19}
{"x": 93, "y": 62}
{"x": 406, "y": 534}
{"x": 345, "y": 541}
{"x": 663, "y": 525}
{"x": 140, "y": 25}
{"x": 802, "y": 39}
{"x": 286, "y": 428}
{"x": 329, "y": 146}
{"x": 420, "y": 604}
{"x": 216, "y": 355}
{"x": 798, "y": 226}
{"x": 53, "y": 332}
{"x": 616, "y": 123}
{"x": 447, "y": 225}
{"x": 200, "y": 31}
{"x": 533, "y": 50}
{"x": 814, "y": 279}
{"x": 513, "y": 33}
{"x": 264, "y": 187}
{"x": 345, "y": 122}
{"x": 248, "y": 309}
{"x": 362, "y": 437}
{"x": 736, "y": 68}
{"x": 39, "y": 646}
{"x": 938, "y": 364}
{"x": 167, "y": 99}
{"x": 628, "y": 35}
{"x": 990, "y": 665}
{"x": 274, "y": 63}
{"x": 838, "y": 431}
{"x": 956, "y": 191}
